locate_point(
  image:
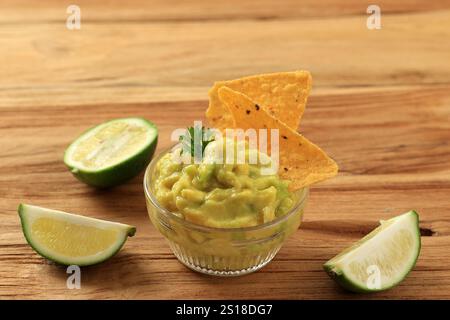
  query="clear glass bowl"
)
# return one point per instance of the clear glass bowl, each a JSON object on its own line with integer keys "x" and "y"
{"x": 221, "y": 251}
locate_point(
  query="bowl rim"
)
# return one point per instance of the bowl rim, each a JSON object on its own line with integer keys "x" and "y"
{"x": 169, "y": 214}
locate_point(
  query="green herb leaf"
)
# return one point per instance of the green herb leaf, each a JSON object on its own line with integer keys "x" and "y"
{"x": 196, "y": 139}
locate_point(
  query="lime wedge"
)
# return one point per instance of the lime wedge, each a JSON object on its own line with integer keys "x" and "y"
{"x": 381, "y": 259}
{"x": 71, "y": 239}
{"x": 112, "y": 152}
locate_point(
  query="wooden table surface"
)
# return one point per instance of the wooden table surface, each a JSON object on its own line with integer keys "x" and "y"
{"x": 380, "y": 106}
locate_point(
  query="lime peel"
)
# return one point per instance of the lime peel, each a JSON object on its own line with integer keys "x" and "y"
{"x": 112, "y": 152}
{"x": 381, "y": 259}
{"x": 70, "y": 239}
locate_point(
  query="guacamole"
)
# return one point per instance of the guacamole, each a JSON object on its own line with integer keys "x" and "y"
{"x": 221, "y": 195}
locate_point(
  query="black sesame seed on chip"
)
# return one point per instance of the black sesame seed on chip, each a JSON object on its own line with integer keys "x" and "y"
{"x": 284, "y": 137}
{"x": 248, "y": 111}
{"x": 256, "y": 107}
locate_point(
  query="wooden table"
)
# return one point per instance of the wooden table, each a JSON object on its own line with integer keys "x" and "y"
{"x": 380, "y": 106}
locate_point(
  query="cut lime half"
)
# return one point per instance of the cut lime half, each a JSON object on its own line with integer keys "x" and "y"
{"x": 71, "y": 239}
{"x": 112, "y": 152}
{"x": 381, "y": 259}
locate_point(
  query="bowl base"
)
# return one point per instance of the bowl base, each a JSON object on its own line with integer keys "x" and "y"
{"x": 195, "y": 264}
{"x": 223, "y": 273}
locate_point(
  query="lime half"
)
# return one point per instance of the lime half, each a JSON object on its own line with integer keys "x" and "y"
{"x": 112, "y": 152}
{"x": 381, "y": 259}
{"x": 71, "y": 239}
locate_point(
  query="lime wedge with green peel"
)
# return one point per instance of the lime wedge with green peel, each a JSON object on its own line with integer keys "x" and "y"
{"x": 381, "y": 259}
{"x": 71, "y": 239}
{"x": 112, "y": 152}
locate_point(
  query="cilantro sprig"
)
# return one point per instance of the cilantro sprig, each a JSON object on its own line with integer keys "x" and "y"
{"x": 195, "y": 140}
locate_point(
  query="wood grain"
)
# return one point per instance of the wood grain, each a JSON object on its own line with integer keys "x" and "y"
{"x": 16, "y": 11}
{"x": 380, "y": 107}
{"x": 46, "y": 64}
{"x": 392, "y": 147}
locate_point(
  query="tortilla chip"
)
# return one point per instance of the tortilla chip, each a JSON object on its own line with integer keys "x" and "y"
{"x": 300, "y": 161}
{"x": 283, "y": 95}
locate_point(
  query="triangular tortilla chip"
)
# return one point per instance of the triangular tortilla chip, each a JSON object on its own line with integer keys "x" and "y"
{"x": 283, "y": 95}
{"x": 300, "y": 161}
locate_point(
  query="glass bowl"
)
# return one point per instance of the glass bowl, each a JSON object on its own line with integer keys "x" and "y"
{"x": 221, "y": 251}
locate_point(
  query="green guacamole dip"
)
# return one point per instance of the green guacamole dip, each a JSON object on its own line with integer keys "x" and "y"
{"x": 221, "y": 195}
